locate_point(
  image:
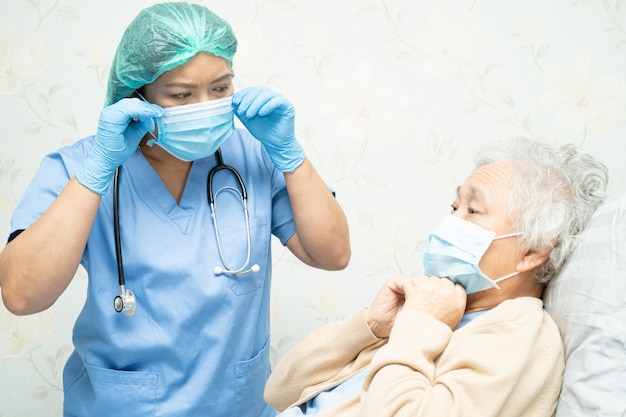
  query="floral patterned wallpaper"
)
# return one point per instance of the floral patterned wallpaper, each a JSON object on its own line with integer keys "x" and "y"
{"x": 393, "y": 97}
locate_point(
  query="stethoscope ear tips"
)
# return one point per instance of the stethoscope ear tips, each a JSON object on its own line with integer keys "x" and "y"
{"x": 255, "y": 268}
{"x": 126, "y": 301}
{"x": 217, "y": 270}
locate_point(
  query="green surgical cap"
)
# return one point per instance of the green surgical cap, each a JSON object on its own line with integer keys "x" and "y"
{"x": 162, "y": 37}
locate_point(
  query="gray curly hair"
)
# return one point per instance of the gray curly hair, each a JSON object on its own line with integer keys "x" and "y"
{"x": 555, "y": 192}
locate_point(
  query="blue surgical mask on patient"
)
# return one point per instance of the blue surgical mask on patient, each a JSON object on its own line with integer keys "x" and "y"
{"x": 195, "y": 131}
{"x": 454, "y": 251}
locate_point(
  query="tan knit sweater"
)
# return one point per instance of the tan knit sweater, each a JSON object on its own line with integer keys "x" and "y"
{"x": 506, "y": 362}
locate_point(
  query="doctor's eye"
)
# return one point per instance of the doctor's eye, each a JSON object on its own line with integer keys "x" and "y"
{"x": 180, "y": 96}
{"x": 222, "y": 90}
{"x": 453, "y": 207}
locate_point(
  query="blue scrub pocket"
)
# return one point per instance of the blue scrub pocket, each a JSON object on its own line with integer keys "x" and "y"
{"x": 251, "y": 376}
{"x": 100, "y": 392}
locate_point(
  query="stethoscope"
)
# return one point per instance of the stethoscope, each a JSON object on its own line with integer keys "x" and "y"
{"x": 243, "y": 196}
{"x": 126, "y": 301}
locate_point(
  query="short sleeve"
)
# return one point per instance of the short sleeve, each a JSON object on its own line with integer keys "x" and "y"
{"x": 54, "y": 172}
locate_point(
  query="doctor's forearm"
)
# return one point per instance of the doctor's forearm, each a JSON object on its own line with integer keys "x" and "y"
{"x": 321, "y": 224}
{"x": 38, "y": 265}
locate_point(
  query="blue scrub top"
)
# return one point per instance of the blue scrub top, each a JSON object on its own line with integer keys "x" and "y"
{"x": 198, "y": 343}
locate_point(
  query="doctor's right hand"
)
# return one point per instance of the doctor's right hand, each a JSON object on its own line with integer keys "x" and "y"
{"x": 121, "y": 127}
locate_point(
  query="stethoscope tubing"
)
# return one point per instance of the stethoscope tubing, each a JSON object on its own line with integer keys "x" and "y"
{"x": 211, "y": 195}
{"x": 126, "y": 300}
{"x": 116, "y": 227}
{"x": 216, "y": 168}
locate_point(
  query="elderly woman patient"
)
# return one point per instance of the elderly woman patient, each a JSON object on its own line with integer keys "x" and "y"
{"x": 471, "y": 337}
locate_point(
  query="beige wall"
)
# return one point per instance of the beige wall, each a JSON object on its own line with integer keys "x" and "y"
{"x": 392, "y": 99}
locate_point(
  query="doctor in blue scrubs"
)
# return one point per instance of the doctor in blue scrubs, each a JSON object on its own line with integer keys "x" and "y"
{"x": 194, "y": 340}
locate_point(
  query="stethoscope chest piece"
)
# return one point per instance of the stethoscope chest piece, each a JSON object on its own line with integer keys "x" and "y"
{"x": 126, "y": 302}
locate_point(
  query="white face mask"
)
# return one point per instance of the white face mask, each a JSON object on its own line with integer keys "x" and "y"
{"x": 454, "y": 251}
{"x": 195, "y": 131}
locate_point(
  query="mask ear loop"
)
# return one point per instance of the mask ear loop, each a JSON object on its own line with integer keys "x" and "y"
{"x": 138, "y": 94}
{"x": 512, "y": 274}
{"x": 507, "y": 235}
{"x": 154, "y": 138}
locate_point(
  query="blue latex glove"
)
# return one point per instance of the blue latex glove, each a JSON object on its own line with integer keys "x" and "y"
{"x": 121, "y": 127}
{"x": 270, "y": 118}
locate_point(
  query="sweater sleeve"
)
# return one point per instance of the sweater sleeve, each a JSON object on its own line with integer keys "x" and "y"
{"x": 321, "y": 357}
{"x": 426, "y": 371}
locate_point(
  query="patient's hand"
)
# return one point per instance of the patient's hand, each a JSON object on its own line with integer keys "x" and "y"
{"x": 438, "y": 297}
{"x": 390, "y": 299}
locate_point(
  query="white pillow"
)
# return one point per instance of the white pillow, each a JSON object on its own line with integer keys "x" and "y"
{"x": 588, "y": 302}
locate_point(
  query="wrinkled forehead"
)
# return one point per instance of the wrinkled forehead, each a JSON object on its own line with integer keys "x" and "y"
{"x": 491, "y": 183}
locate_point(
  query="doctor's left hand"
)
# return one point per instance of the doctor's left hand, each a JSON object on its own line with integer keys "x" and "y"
{"x": 270, "y": 118}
